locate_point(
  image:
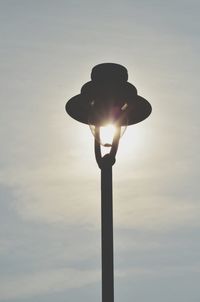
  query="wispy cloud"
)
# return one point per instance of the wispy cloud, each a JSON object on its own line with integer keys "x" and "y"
{"x": 33, "y": 284}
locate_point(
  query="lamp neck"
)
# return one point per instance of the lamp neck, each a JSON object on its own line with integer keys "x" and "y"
{"x": 109, "y": 158}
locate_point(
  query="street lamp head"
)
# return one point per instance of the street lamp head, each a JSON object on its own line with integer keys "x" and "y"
{"x": 108, "y": 99}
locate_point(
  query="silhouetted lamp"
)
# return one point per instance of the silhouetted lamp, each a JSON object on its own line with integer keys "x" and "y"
{"x": 108, "y": 100}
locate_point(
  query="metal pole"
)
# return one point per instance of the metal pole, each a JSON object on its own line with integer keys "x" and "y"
{"x": 107, "y": 231}
{"x": 105, "y": 163}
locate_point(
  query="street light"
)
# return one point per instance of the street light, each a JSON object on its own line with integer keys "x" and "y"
{"x": 108, "y": 99}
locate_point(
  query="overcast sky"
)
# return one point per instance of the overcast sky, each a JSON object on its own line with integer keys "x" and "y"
{"x": 49, "y": 180}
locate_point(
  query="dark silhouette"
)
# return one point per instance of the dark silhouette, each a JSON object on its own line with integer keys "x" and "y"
{"x": 108, "y": 98}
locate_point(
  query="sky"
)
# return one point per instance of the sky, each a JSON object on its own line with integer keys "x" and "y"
{"x": 49, "y": 180}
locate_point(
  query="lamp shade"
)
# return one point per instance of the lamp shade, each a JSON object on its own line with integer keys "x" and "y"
{"x": 108, "y": 98}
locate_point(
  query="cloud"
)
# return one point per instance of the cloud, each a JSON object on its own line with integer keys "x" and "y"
{"x": 58, "y": 280}
{"x": 156, "y": 213}
{"x": 51, "y": 281}
{"x": 139, "y": 206}
{"x": 160, "y": 271}
{"x": 54, "y": 192}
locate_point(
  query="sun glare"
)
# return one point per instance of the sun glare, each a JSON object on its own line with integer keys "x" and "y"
{"x": 106, "y": 134}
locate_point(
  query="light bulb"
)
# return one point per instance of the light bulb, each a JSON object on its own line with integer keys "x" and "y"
{"x": 107, "y": 133}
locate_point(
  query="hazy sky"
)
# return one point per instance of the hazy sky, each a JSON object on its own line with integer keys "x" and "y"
{"x": 50, "y": 182}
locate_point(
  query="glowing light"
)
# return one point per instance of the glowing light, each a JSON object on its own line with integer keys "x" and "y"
{"x": 106, "y": 134}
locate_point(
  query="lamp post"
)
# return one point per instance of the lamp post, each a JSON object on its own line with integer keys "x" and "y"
{"x": 108, "y": 99}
